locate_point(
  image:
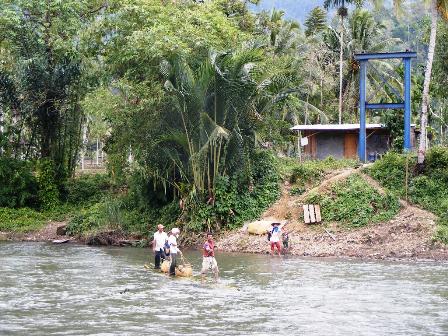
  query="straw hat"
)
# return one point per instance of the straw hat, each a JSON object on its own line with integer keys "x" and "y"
{"x": 160, "y": 226}
{"x": 175, "y": 231}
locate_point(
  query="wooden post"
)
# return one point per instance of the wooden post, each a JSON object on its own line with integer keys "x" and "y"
{"x": 407, "y": 177}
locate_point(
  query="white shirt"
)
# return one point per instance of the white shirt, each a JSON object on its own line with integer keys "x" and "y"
{"x": 160, "y": 239}
{"x": 173, "y": 240}
{"x": 275, "y": 236}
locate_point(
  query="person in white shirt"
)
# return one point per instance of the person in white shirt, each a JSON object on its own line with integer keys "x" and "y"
{"x": 172, "y": 241}
{"x": 158, "y": 244}
{"x": 275, "y": 236}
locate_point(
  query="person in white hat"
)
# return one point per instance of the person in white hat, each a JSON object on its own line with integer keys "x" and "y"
{"x": 172, "y": 241}
{"x": 158, "y": 244}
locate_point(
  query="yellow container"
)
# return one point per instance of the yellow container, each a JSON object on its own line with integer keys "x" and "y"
{"x": 165, "y": 267}
{"x": 259, "y": 227}
{"x": 184, "y": 270}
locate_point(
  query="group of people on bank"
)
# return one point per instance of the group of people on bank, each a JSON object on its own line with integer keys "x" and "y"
{"x": 165, "y": 248}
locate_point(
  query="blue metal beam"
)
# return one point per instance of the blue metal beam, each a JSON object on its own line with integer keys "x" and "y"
{"x": 404, "y": 54}
{"x": 407, "y": 104}
{"x": 362, "y": 112}
{"x": 371, "y": 106}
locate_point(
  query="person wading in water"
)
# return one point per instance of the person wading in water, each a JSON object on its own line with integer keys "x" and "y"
{"x": 208, "y": 257}
{"x": 172, "y": 241}
{"x": 275, "y": 237}
{"x": 158, "y": 244}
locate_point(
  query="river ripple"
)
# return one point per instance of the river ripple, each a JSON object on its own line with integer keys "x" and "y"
{"x": 78, "y": 290}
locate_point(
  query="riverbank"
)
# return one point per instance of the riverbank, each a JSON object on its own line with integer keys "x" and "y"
{"x": 408, "y": 236}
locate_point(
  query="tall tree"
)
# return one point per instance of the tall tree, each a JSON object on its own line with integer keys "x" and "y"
{"x": 342, "y": 12}
{"x": 43, "y": 85}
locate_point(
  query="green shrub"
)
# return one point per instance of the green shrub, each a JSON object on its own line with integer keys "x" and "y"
{"x": 430, "y": 193}
{"x": 441, "y": 233}
{"x": 390, "y": 171}
{"x": 87, "y": 220}
{"x": 21, "y": 220}
{"x": 436, "y": 158}
{"x": 355, "y": 203}
{"x": 18, "y": 186}
{"x": 312, "y": 172}
{"x": 115, "y": 214}
{"x": 86, "y": 188}
{"x": 436, "y": 164}
{"x": 297, "y": 190}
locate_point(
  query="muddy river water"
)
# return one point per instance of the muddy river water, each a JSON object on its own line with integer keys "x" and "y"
{"x": 70, "y": 289}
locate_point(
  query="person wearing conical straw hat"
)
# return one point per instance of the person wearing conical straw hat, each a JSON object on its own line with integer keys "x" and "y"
{"x": 276, "y": 233}
{"x": 172, "y": 241}
{"x": 158, "y": 243}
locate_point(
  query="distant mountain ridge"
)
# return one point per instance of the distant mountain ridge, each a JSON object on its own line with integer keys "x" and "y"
{"x": 294, "y": 9}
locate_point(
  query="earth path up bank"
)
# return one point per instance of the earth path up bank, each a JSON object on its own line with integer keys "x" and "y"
{"x": 408, "y": 235}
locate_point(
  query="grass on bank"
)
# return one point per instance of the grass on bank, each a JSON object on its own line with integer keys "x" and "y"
{"x": 308, "y": 174}
{"x": 22, "y": 220}
{"x": 353, "y": 203}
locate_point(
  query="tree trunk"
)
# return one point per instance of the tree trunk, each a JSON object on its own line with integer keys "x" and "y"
{"x": 97, "y": 152}
{"x": 425, "y": 97}
{"x": 84, "y": 143}
{"x": 341, "y": 54}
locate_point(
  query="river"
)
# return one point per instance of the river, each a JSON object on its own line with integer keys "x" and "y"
{"x": 70, "y": 289}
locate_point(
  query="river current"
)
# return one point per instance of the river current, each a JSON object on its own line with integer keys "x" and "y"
{"x": 72, "y": 289}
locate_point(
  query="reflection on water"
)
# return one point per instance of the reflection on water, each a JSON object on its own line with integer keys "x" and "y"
{"x": 78, "y": 290}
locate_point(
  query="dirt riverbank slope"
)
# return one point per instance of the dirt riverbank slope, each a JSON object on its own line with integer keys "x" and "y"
{"x": 408, "y": 235}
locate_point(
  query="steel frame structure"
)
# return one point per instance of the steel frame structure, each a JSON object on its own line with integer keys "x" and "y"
{"x": 364, "y": 105}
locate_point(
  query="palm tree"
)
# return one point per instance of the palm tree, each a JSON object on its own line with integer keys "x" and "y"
{"x": 210, "y": 115}
{"x": 316, "y": 21}
{"x": 342, "y": 12}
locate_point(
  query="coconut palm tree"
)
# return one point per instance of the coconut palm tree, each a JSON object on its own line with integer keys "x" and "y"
{"x": 342, "y": 12}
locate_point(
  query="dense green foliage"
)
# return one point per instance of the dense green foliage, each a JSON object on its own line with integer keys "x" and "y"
{"x": 86, "y": 188}
{"x": 190, "y": 99}
{"x": 354, "y": 203}
{"x": 18, "y": 185}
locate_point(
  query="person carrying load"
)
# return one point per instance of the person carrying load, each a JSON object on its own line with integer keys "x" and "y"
{"x": 208, "y": 257}
{"x": 172, "y": 241}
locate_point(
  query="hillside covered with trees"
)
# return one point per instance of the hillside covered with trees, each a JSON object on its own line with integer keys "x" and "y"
{"x": 194, "y": 101}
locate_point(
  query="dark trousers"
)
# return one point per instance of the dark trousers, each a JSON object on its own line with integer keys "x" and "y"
{"x": 173, "y": 263}
{"x": 158, "y": 256}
